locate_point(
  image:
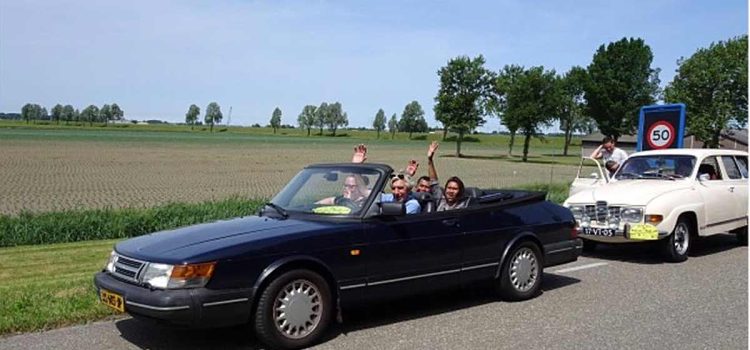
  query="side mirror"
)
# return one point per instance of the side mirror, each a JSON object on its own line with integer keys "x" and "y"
{"x": 594, "y": 176}
{"x": 704, "y": 177}
{"x": 392, "y": 209}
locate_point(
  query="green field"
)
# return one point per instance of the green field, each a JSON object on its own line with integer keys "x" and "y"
{"x": 55, "y": 168}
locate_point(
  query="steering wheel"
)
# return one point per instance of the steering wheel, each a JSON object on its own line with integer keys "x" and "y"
{"x": 346, "y": 202}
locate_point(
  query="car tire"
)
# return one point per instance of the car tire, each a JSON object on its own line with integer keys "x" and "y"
{"x": 307, "y": 297}
{"x": 741, "y": 235}
{"x": 521, "y": 272}
{"x": 677, "y": 245}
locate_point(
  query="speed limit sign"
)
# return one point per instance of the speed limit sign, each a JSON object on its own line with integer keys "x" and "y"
{"x": 661, "y": 126}
{"x": 660, "y": 135}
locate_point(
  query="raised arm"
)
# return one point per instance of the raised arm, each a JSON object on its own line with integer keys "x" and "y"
{"x": 597, "y": 153}
{"x": 430, "y": 165}
{"x": 360, "y": 154}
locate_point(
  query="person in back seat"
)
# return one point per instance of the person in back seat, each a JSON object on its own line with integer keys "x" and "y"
{"x": 452, "y": 197}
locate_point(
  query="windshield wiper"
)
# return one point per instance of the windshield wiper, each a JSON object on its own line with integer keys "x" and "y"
{"x": 659, "y": 175}
{"x": 629, "y": 175}
{"x": 278, "y": 209}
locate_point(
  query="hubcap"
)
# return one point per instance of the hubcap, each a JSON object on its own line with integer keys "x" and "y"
{"x": 524, "y": 270}
{"x": 681, "y": 239}
{"x": 297, "y": 309}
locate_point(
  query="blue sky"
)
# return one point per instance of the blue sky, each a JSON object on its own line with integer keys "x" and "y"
{"x": 155, "y": 58}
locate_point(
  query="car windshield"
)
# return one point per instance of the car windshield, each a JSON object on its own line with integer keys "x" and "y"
{"x": 668, "y": 167}
{"x": 328, "y": 191}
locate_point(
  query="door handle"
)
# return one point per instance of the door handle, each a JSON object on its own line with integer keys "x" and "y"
{"x": 451, "y": 222}
{"x": 731, "y": 189}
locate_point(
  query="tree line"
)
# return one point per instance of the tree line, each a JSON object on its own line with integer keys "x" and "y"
{"x": 91, "y": 114}
{"x": 606, "y": 95}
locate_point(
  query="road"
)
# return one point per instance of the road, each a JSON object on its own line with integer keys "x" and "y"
{"x": 618, "y": 297}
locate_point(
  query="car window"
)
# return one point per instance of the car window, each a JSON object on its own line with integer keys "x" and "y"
{"x": 710, "y": 166}
{"x": 657, "y": 167}
{"x": 742, "y": 162}
{"x": 733, "y": 172}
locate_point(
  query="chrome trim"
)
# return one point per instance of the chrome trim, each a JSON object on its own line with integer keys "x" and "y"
{"x": 158, "y": 308}
{"x": 223, "y": 302}
{"x": 352, "y": 286}
{"x": 724, "y": 222}
{"x": 414, "y": 277}
{"x": 560, "y": 250}
{"x": 136, "y": 271}
{"x": 479, "y": 266}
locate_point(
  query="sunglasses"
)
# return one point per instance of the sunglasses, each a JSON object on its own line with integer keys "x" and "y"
{"x": 398, "y": 176}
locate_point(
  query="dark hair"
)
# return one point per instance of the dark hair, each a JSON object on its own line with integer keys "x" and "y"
{"x": 607, "y": 139}
{"x": 460, "y": 185}
{"x": 426, "y": 178}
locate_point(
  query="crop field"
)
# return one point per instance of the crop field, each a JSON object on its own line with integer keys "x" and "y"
{"x": 54, "y": 169}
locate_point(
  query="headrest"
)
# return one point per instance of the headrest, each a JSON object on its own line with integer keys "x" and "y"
{"x": 422, "y": 196}
{"x": 472, "y": 192}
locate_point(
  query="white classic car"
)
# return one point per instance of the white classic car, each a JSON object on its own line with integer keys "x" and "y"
{"x": 670, "y": 195}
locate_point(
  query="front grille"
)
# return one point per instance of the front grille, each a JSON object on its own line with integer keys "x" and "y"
{"x": 601, "y": 213}
{"x": 128, "y": 269}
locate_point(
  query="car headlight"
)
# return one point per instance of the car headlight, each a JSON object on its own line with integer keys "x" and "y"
{"x": 166, "y": 276}
{"x": 577, "y": 211}
{"x": 632, "y": 215}
{"x": 110, "y": 267}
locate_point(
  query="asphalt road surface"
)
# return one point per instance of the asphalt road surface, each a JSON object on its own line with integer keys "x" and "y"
{"x": 618, "y": 297}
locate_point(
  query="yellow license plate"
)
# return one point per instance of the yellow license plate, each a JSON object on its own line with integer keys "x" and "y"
{"x": 644, "y": 232}
{"x": 112, "y": 300}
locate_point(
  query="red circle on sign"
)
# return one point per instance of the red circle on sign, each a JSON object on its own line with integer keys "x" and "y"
{"x": 660, "y": 135}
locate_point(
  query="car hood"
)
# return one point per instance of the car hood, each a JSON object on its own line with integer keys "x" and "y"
{"x": 200, "y": 241}
{"x": 629, "y": 192}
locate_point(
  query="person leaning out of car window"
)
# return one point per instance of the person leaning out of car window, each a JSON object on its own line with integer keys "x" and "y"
{"x": 608, "y": 152}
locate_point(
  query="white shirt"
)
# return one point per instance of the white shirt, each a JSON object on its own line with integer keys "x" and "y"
{"x": 616, "y": 155}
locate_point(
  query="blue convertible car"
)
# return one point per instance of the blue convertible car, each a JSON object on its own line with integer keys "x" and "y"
{"x": 312, "y": 251}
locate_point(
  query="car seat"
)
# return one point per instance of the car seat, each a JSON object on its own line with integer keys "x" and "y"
{"x": 426, "y": 201}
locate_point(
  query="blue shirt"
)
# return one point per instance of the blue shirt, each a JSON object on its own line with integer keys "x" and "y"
{"x": 412, "y": 205}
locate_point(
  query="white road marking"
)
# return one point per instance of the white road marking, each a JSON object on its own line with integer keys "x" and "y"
{"x": 582, "y": 267}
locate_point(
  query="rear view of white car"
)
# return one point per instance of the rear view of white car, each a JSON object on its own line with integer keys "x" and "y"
{"x": 669, "y": 195}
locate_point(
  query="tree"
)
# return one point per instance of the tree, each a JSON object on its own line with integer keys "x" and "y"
{"x": 572, "y": 105}
{"x": 116, "y": 112}
{"x": 507, "y": 78}
{"x": 27, "y": 112}
{"x": 306, "y": 118}
{"x": 90, "y": 114}
{"x": 393, "y": 126}
{"x": 213, "y": 115}
{"x": 620, "y": 82}
{"x": 335, "y": 117}
{"x": 105, "y": 114}
{"x": 321, "y": 115}
{"x": 464, "y": 94}
{"x": 191, "y": 117}
{"x": 412, "y": 119}
{"x": 530, "y": 100}
{"x": 713, "y": 85}
{"x": 57, "y": 112}
{"x": 276, "y": 119}
{"x": 379, "y": 123}
{"x": 68, "y": 113}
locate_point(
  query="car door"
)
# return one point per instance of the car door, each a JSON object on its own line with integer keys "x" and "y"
{"x": 413, "y": 252}
{"x": 717, "y": 194}
{"x": 737, "y": 187}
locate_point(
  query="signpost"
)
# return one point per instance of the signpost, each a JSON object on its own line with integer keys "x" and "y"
{"x": 661, "y": 127}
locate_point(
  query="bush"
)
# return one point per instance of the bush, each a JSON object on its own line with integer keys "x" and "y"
{"x": 83, "y": 225}
{"x": 454, "y": 138}
{"x": 556, "y": 192}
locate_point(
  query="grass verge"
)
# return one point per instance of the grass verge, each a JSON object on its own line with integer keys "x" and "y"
{"x": 85, "y": 225}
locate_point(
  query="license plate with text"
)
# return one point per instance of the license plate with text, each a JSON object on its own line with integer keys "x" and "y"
{"x": 112, "y": 300}
{"x": 597, "y": 231}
